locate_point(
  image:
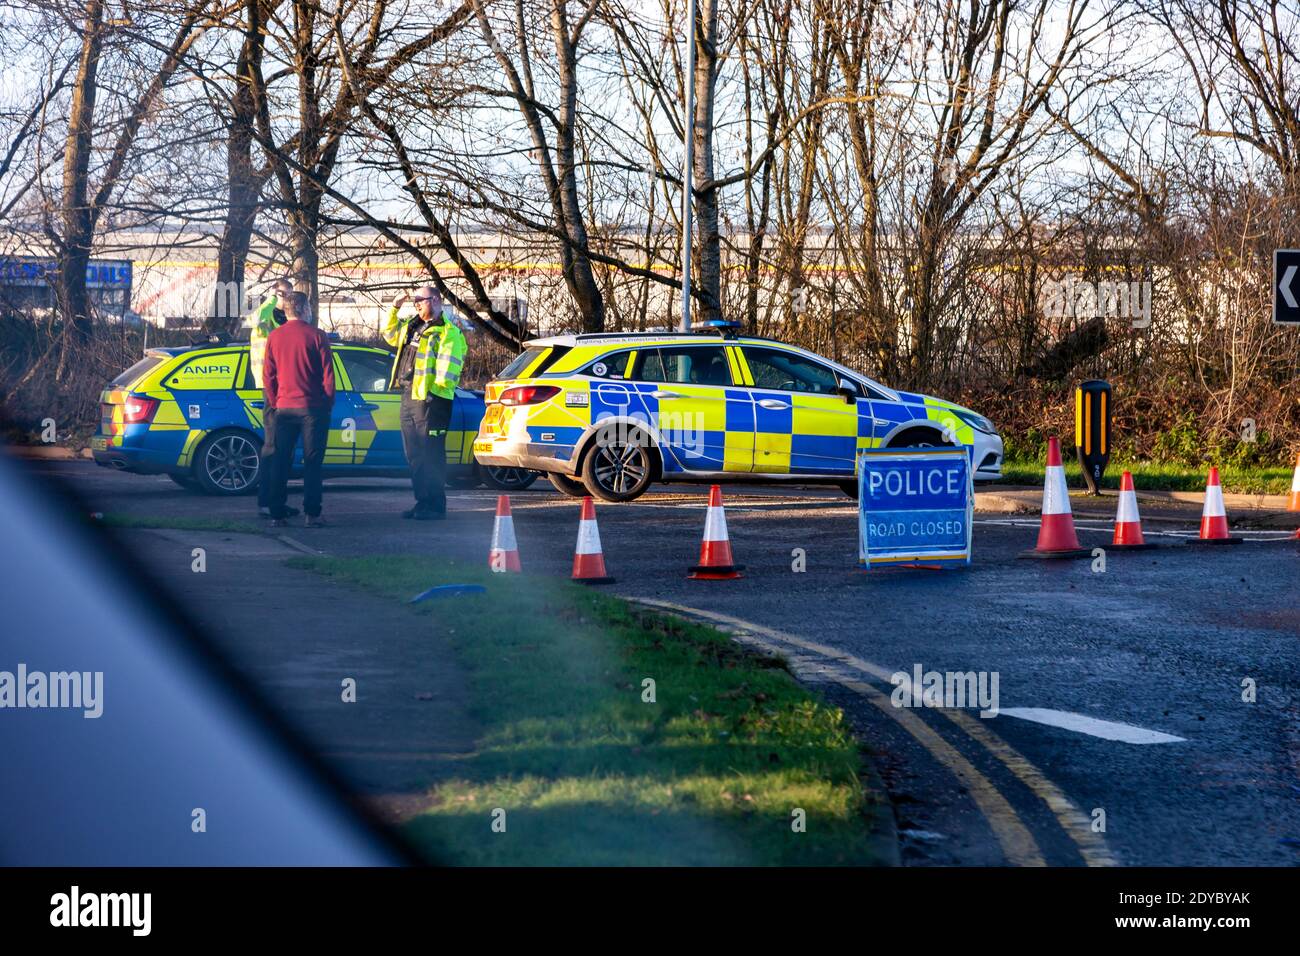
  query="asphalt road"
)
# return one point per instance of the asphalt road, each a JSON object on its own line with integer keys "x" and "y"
{"x": 1160, "y": 641}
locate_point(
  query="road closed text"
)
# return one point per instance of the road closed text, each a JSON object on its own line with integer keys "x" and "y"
{"x": 886, "y": 528}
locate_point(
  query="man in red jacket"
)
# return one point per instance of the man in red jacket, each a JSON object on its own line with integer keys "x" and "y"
{"x": 298, "y": 381}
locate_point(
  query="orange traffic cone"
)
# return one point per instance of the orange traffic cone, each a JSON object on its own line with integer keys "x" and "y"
{"x": 1293, "y": 503}
{"x": 588, "y": 559}
{"x": 504, "y": 553}
{"x": 1128, "y": 523}
{"x": 715, "y": 550}
{"x": 1214, "y": 520}
{"x": 1056, "y": 536}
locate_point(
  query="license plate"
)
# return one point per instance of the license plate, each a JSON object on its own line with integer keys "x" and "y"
{"x": 98, "y": 443}
{"x": 494, "y": 414}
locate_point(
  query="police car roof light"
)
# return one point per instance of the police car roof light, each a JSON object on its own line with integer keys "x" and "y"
{"x": 727, "y": 328}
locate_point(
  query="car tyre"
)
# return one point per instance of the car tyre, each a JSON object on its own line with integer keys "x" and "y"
{"x": 186, "y": 481}
{"x": 619, "y": 465}
{"x": 464, "y": 477}
{"x": 918, "y": 438}
{"x": 506, "y": 479}
{"x": 566, "y": 485}
{"x": 228, "y": 463}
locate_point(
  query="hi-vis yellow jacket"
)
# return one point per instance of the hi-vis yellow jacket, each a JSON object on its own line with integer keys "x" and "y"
{"x": 261, "y": 323}
{"x": 438, "y": 357}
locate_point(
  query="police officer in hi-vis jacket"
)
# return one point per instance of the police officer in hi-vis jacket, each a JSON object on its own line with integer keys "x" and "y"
{"x": 430, "y": 352}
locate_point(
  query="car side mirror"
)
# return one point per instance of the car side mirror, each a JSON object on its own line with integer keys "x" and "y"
{"x": 848, "y": 390}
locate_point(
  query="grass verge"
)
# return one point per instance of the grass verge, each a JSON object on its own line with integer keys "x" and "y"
{"x": 1161, "y": 476}
{"x": 590, "y": 773}
{"x": 177, "y": 522}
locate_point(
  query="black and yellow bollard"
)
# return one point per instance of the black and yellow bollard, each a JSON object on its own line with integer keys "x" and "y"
{"x": 1092, "y": 401}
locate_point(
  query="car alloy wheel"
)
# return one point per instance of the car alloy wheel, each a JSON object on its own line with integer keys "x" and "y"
{"x": 231, "y": 463}
{"x": 619, "y": 467}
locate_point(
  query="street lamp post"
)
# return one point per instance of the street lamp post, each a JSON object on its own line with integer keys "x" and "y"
{"x": 688, "y": 167}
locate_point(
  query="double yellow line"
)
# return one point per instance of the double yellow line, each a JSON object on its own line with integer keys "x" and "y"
{"x": 1017, "y": 842}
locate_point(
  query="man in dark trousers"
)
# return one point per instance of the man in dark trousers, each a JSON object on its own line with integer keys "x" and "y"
{"x": 268, "y": 317}
{"x": 430, "y": 352}
{"x": 298, "y": 377}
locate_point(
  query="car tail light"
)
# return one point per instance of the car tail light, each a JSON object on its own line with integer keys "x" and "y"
{"x": 137, "y": 409}
{"x": 528, "y": 394}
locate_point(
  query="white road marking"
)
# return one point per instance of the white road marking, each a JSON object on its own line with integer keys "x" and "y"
{"x": 806, "y": 666}
{"x": 1105, "y": 729}
{"x": 1108, "y": 528}
{"x": 750, "y": 505}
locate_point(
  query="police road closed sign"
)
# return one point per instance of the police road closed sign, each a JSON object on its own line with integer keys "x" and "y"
{"x": 914, "y": 506}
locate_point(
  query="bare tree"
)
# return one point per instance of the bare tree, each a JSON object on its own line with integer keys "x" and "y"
{"x": 87, "y": 191}
{"x": 304, "y": 155}
{"x": 553, "y": 132}
{"x": 245, "y": 179}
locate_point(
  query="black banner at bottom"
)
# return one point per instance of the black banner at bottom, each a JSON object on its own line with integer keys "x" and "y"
{"x": 219, "y": 905}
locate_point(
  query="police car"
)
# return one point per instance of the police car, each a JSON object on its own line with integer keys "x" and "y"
{"x": 194, "y": 414}
{"x": 611, "y": 414}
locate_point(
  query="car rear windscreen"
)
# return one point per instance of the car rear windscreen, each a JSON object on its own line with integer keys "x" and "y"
{"x": 522, "y": 361}
{"x": 137, "y": 371}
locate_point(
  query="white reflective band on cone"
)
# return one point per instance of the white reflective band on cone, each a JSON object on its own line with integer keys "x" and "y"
{"x": 503, "y": 535}
{"x": 1214, "y": 502}
{"x": 1056, "y": 497}
{"x": 715, "y": 525}
{"x": 1128, "y": 508}
{"x": 1295, "y": 480}
{"x": 588, "y": 538}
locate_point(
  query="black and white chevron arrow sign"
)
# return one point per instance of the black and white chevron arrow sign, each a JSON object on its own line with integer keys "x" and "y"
{"x": 1286, "y": 286}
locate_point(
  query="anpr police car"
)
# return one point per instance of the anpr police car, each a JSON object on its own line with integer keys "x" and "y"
{"x": 194, "y": 414}
{"x": 609, "y": 414}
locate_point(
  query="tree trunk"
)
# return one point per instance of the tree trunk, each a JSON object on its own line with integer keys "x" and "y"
{"x": 78, "y": 225}
{"x": 244, "y": 182}
{"x": 709, "y": 245}
{"x": 578, "y": 274}
{"x": 304, "y": 231}
{"x": 754, "y": 254}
